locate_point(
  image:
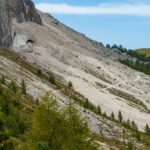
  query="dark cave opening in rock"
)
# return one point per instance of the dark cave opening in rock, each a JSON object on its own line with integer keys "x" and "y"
{"x": 29, "y": 41}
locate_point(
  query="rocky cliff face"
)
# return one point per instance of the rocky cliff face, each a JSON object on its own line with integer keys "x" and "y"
{"x": 5, "y": 24}
{"x": 24, "y": 10}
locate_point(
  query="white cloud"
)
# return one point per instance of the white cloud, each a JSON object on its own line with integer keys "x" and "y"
{"x": 138, "y": 9}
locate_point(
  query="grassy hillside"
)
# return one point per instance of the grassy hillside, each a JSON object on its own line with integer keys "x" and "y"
{"x": 145, "y": 51}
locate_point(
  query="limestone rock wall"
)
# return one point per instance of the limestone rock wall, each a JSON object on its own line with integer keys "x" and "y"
{"x": 5, "y": 24}
{"x": 22, "y": 11}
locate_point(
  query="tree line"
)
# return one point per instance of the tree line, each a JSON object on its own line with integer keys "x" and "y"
{"x": 137, "y": 65}
{"x": 137, "y": 61}
{"x": 130, "y": 52}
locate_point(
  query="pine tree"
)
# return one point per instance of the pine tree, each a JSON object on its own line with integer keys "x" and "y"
{"x": 99, "y": 110}
{"x": 70, "y": 84}
{"x": 39, "y": 72}
{"x": 130, "y": 146}
{"x": 112, "y": 116}
{"x": 43, "y": 124}
{"x": 120, "y": 118}
{"x": 2, "y": 79}
{"x": 137, "y": 135}
{"x": 134, "y": 126}
{"x": 108, "y": 46}
{"x": 147, "y": 129}
{"x": 52, "y": 79}
{"x": 128, "y": 123}
{"x": 23, "y": 87}
{"x": 13, "y": 87}
{"x": 86, "y": 103}
{"x": 53, "y": 129}
{"x": 37, "y": 101}
{"x": 78, "y": 129}
{"x": 104, "y": 114}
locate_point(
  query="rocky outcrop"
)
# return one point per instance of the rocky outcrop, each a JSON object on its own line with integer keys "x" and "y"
{"x": 24, "y": 10}
{"x": 5, "y": 24}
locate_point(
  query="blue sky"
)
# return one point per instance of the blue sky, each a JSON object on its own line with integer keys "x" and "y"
{"x": 125, "y": 22}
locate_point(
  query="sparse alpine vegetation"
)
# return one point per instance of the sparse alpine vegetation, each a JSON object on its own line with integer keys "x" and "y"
{"x": 42, "y": 124}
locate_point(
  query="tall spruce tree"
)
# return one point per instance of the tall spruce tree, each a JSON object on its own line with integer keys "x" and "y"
{"x": 120, "y": 118}
{"x": 147, "y": 129}
{"x": 23, "y": 87}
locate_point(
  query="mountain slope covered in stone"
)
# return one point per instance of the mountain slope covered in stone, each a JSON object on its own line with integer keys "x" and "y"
{"x": 95, "y": 72}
